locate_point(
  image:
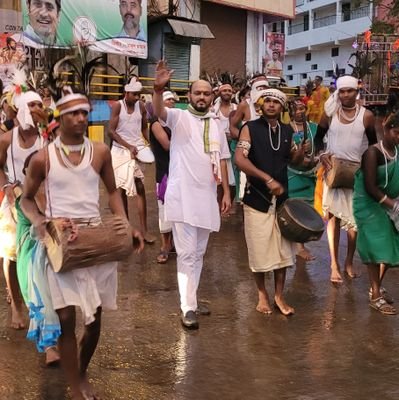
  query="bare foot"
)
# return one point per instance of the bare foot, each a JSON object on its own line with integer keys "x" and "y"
{"x": 284, "y": 308}
{"x": 263, "y": 303}
{"x": 17, "y": 318}
{"x": 336, "y": 276}
{"x": 52, "y": 356}
{"x": 264, "y": 308}
{"x": 350, "y": 271}
{"x": 87, "y": 390}
{"x": 306, "y": 254}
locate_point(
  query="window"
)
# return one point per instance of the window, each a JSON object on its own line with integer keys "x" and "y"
{"x": 308, "y": 56}
{"x": 314, "y": 66}
{"x": 282, "y": 27}
{"x": 274, "y": 28}
{"x": 335, "y": 52}
{"x": 289, "y": 67}
{"x": 346, "y": 12}
{"x": 306, "y": 22}
{"x": 290, "y": 77}
{"x": 329, "y": 73}
{"x": 341, "y": 71}
{"x": 304, "y": 76}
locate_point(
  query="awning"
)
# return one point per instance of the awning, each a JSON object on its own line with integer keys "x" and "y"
{"x": 285, "y": 9}
{"x": 190, "y": 29}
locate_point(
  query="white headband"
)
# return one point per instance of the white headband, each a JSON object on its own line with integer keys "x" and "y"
{"x": 274, "y": 94}
{"x": 347, "y": 81}
{"x": 24, "y": 115}
{"x": 71, "y": 102}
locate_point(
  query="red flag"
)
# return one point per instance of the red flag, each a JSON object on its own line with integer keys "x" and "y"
{"x": 395, "y": 45}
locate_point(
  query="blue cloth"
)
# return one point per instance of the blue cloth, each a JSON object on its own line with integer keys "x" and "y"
{"x": 44, "y": 327}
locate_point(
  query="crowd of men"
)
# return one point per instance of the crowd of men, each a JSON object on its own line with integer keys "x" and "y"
{"x": 208, "y": 157}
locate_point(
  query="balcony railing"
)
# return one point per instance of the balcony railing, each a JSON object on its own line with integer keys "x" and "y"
{"x": 355, "y": 14}
{"x": 324, "y": 21}
{"x": 292, "y": 29}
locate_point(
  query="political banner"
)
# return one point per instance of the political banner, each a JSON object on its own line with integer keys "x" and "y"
{"x": 274, "y": 54}
{"x": 111, "y": 26}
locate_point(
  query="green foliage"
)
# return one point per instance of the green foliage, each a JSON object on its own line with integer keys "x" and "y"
{"x": 382, "y": 27}
{"x": 364, "y": 62}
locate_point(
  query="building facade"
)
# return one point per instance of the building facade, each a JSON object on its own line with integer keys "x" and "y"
{"x": 237, "y": 27}
{"x": 320, "y": 39}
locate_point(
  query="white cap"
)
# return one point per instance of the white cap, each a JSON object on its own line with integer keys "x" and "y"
{"x": 134, "y": 85}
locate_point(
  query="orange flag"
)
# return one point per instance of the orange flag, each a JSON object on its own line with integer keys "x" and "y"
{"x": 367, "y": 37}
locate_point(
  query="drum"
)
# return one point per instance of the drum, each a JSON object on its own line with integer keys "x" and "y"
{"x": 111, "y": 240}
{"x": 299, "y": 222}
{"x": 342, "y": 173}
{"x": 145, "y": 155}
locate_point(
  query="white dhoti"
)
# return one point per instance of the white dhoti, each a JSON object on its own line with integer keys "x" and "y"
{"x": 126, "y": 170}
{"x": 338, "y": 202}
{"x": 87, "y": 288}
{"x": 190, "y": 243}
{"x": 267, "y": 249}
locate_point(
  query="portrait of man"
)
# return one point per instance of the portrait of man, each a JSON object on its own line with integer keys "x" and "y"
{"x": 44, "y": 16}
{"x": 131, "y": 11}
{"x": 12, "y": 53}
{"x": 274, "y": 67}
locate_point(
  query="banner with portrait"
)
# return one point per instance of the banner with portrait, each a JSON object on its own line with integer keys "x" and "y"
{"x": 12, "y": 55}
{"x": 111, "y": 26}
{"x": 274, "y": 53}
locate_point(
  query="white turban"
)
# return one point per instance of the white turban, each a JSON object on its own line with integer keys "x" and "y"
{"x": 24, "y": 115}
{"x": 272, "y": 93}
{"x": 255, "y": 89}
{"x": 333, "y": 103}
{"x": 71, "y": 102}
{"x": 134, "y": 86}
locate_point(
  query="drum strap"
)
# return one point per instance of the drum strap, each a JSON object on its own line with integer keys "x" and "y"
{"x": 47, "y": 185}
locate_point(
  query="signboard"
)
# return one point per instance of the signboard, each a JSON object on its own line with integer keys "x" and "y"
{"x": 283, "y": 8}
{"x": 112, "y": 26}
{"x": 274, "y": 54}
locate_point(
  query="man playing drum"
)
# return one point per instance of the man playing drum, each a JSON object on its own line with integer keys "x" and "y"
{"x": 198, "y": 154}
{"x": 128, "y": 129}
{"x": 264, "y": 149}
{"x": 71, "y": 167}
{"x": 350, "y": 130}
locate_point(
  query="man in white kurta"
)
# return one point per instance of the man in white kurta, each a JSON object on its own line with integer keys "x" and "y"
{"x": 194, "y": 171}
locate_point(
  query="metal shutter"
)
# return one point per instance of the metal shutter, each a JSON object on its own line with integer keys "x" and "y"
{"x": 177, "y": 54}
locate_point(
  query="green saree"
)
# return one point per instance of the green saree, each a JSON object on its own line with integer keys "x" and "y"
{"x": 377, "y": 239}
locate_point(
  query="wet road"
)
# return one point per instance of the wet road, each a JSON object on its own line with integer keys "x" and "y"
{"x": 334, "y": 347}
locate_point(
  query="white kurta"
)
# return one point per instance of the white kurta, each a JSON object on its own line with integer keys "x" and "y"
{"x": 191, "y": 193}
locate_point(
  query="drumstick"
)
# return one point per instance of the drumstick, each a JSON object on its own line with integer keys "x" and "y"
{"x": 260, "y": 194}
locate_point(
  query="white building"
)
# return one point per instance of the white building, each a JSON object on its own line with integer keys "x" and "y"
{"x": 320, "y": 37}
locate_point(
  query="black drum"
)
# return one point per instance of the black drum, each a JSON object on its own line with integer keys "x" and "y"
{"x": 299, "y": 222}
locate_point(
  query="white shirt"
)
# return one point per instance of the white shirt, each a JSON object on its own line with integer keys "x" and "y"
{"x": 191, "y": 193}
{"x": 129, "y": 125}
{"x": 348, "y": 141}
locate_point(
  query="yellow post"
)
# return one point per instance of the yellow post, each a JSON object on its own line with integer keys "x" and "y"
{"x": 96, "y": 133}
